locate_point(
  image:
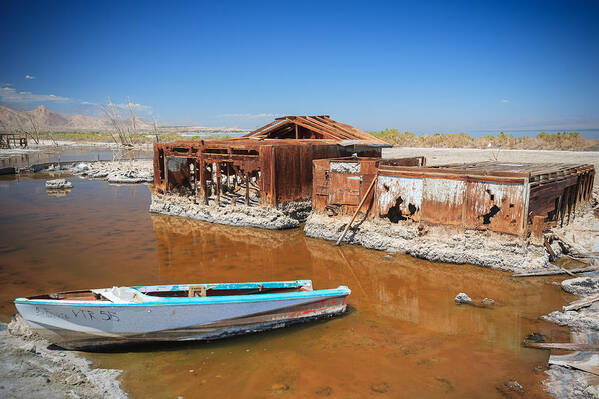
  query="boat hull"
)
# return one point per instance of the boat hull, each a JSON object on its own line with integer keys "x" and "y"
{"x": 91, "y": 325}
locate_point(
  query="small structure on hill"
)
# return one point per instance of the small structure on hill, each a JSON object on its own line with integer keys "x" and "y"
{"x": 270, "y": 166}
{"x": 13, "y": 140}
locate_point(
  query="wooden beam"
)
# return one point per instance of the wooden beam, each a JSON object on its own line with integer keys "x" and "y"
{"x": 247, "y": 188}
{"x": 165, "y": 173}
{"x": 581, "y": 303}
{"x": 555, "y": 272}
{"x": 566, "y": 346}
{"x": 357, "y": 210}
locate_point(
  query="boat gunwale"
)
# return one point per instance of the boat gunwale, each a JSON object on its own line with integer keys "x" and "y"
{"x": 188, "y": 301}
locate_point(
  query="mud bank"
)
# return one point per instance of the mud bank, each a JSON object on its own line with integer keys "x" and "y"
{"x": 570, "y": 382}
{"x": 481, "y": 248}
{"x": 31, "y": 368}
{"x": 284, "y": 217}
{"x": 435, "y": 243}
{"x": 127, "y": 172}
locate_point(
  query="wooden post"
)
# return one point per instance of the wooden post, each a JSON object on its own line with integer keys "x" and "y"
{"x": 296, "y": 133}
{"x": 357, "y": 210}
{"x": 228, "y": 174}
{"x": 202, "y": 176}
{"x": 247, "y": 188}
{"x": 165, "y": 174}
{"x": 538, "y": 223}
{"x": 191, "y": 162}
{"x": 217, "y": 178}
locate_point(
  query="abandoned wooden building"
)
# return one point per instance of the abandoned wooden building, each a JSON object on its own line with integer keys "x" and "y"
{"x": 269, "y": 166}
{"x": 509, "y": 198}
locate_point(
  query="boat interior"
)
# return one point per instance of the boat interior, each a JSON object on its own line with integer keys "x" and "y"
{"x": 189, "y": 290}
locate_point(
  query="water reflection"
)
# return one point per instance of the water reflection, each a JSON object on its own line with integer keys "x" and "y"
{"x": 405, "y": 319}
{"x": 395, "y": 289}
{"x": 60, "y": 154}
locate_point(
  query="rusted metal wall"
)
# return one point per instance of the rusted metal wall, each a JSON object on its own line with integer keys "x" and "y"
{"x": 496, "y": 206}
{"x": 494, "y": 196}
{"x": 340, "y": 184}
{"x": 460, "y": 200}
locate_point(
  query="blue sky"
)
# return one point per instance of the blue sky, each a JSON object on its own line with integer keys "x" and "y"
{"x": 419, "y": 66}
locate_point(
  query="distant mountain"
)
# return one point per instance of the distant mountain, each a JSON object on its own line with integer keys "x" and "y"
{"x": 48, "y": 120}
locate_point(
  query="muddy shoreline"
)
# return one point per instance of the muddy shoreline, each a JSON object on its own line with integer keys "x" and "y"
{"x": 31, "y": 367}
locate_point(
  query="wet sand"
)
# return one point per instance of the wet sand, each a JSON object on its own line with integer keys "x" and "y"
{"x": 404, "y": 335}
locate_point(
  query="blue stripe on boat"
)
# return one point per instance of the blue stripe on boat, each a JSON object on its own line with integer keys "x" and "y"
{"x": 157, "y": 301}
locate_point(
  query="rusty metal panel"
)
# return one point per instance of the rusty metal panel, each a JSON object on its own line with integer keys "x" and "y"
{"x": 442, "y": 200}
{"x": 398, "y": 192}
{"x": 319, "y": 203}
{"x": 288, "y": 181}
{"x": 179, "y": 174}
{"x": 267, "y": 181}
{"x": 321, "y": 177}
{"x": 495, "y": 206}
{"x": 344, "y": 189}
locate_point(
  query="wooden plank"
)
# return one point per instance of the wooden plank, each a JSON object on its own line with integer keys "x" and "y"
{"x": 566, "y": 346}
{"x": 584, "y": 361}
{"x": 555, "y": 272}
{"x": 247, "y": 189}
{"x": 549, "y": 249}
{"x": 357, "y": 210}
{"x": 166, "y": 189}
{"x": 581, "y": 303}
{"x": 538, "y": 225}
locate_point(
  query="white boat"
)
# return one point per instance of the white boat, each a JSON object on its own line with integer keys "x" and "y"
{"x": 80, "y": 319}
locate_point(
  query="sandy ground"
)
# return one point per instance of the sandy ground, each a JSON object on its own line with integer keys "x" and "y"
{"x": 440, "y": 156}
{"x": 30, "y": 367}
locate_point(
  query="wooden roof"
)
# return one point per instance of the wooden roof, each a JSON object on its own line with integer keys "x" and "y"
{"x": 317, "y": 127}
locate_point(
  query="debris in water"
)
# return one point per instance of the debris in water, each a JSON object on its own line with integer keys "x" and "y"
{"x": 488, "y": 301}
{"x": 462, "y": 298}
{"x": 58, "y": 184}
{"x": 382, "y": 387}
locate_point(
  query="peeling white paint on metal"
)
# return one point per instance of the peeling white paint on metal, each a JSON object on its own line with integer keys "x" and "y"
{"x": 389, "y": 188}
{"x": 450, "y": 192}
{"x": 508, "y": 192}
{"x": 345, "y": 167}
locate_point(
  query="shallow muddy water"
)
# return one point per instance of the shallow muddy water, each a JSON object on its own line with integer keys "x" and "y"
{"x": 403, "y": 336}
{"x": 61, "y": 154}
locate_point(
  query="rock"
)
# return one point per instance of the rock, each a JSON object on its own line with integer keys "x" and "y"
{"x": 536, "y": 337}
{"x": 582, "y": 286}
{"x": 58, "y": 184}
{"x": 488, "y": 301}
{"x": 511, "y": 389}
{"x": 514, "y": 386}
{"x": 279, "y": 387}
{"x": 462, "y": 298}
{"x": 324, "y": 391}
{"x": 19, "y": 327}
{"x": 75, "y": 379}
{"x": 381, "y": 387}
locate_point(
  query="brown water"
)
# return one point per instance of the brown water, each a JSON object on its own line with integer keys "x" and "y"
{"x": 404, "y": 336}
